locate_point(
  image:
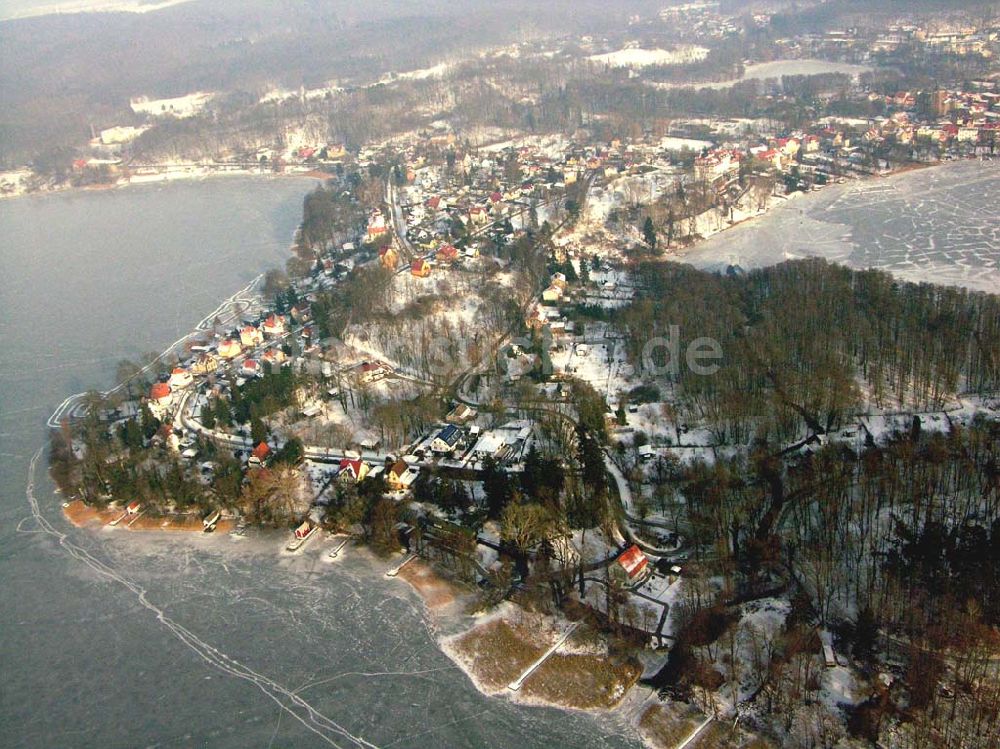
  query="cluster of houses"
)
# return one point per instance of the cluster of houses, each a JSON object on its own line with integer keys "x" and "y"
{"x": 488, "y": 194}
{"x": 961, "y": 123}
{"x": 248, "y": 351}
{"x": 862, "y": 44}
{"x": 951, "y": 119}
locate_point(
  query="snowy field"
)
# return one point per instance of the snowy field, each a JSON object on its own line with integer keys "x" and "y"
{"x": 676, "y": 144}
{"x": 641, "y": 58}
{"x": 29, "y": 8}
{"x": 179, "y": 106}
{"x": 935, "y": 225}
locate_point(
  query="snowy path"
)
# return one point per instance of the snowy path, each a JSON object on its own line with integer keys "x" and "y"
{"x": 519, "y": 681}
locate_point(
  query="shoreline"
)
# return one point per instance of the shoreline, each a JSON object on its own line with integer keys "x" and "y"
{"x": 77, "y": 7}
{"x": 184, "y": 174}
{"x": 679, "y": 254}
{"x": 755, "y": 241}
{"x": 81, "y": 515}
{"x": 247, "y": 296}
{"x": 570, "y": 664}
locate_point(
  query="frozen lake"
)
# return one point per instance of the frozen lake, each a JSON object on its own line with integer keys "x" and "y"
{"x": 763, "y": 71}
{"x": 938, "y": 225}
{"x": 117, "y": 639}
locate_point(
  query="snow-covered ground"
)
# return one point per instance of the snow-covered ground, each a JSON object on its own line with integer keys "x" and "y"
{"x": 14, "y": 183}
{"x": 309, "y": 94}
{"x": 635, "y": 57}
{"x": 676, "y": 144}
{"x": 178, "y": 106}
{"x": 935, "y": 225}
{"x": 436, "y": 71}
{"x": 549, "y": 146}
{"x": 32, "y": 8}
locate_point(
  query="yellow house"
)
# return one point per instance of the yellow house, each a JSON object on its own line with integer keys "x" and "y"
{"x": 230, "y": 348}
{"x": 420, "y": 268}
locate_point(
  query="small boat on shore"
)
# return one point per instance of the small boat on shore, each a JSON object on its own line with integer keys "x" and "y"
{"x": 128, "y": 511}
{"x": 210, "y": 521}
{"x": 302, "y": 534}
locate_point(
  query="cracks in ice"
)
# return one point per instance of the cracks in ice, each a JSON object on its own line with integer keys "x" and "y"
{"x": 288, "y": 701}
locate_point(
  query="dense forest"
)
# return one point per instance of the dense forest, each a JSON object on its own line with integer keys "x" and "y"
{"x": 890, "y": 541}
{"x": 806, "y": 343}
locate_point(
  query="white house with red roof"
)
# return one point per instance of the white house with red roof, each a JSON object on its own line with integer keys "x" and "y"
{"x": 260, "y": 454}
{"x": 353, "y": 469}
{"x": 180, "y": 378}
{"x": 377, "y": 226}
{"x": 160, "y": 394}
{"x": 447, "y": 254}
{"x": 274, "y": 325}
{"x": 251, "y": 336}
{"x": 160, "y": 399}
{"x": 634, "y": 563}
{"x": 372, "y": 371}
{"x": 274, "y": 357}
{"x": 250, "y": 368}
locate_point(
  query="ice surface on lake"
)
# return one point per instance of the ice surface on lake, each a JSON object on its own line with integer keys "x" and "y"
{"x": 938, "y": 225}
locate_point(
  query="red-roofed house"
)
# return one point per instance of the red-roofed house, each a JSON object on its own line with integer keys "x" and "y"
{"x": 787, "y": 146}
{"x": 447, "y": 254}
{"x": 229, "y": 348}
{"x": 274, "y": 356}
{"x": 180, "y": 378}
{"x": 354, "y": 469}
{"x": 634, "y": 562}
{"x": 371, "y": 371}
{"x": 376, "y": 226}
{"x": 420, "y": 268}
{"x": 260, "y": 454}
{"x": 274, "y": 325}
{"x": 251, "y": 336}
{"x": 160, "y": 394}
{"x": 388, "y": 257}
{"x": 772, "y": 156}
